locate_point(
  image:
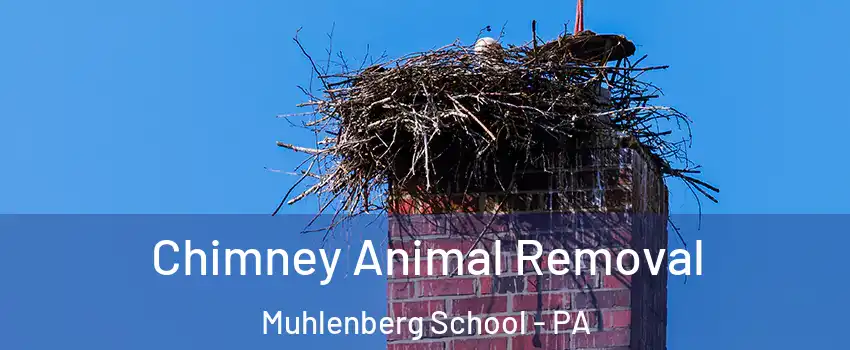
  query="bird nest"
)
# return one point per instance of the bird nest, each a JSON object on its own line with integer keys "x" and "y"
{"x": 456, "y": 120}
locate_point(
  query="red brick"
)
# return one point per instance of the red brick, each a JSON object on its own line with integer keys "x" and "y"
{"x": 605, "y": 300}
{"x": 528, "y": 267}
{"x": 474, "y": 224}
{"x": 479, "y": 306}
{"x": 616, "y": 318}
{"x": 525, "y": 342}
{"x": 503, "y": 268}
{"x": 621, "y": 236}
{"x": 400, "y": 333}
{"x": 401, "y": 290}
{"x": 601, "y": 339}
{"x": 508, "y": 284}
{"x": 485, "y": 285}
{"x": 446, "y": 287}
{"x": 403, "y": 206}
{"x": 438, "y": 204}
{"x": 545, "y": 341}
{"x": 481, "y": 344}
{"x": 616, "y": 281}
{"x": 398, "y": 270}
{"x": 601, "y": 299}
{"x": 418, "y": 346}
{"x": 560, "y": 283}
{"x": 546, "y": 301}
{"x": 463, "y": 245}
{"x": 412, "y": 226}
{"x": 507, "y": 262}
{"x": 418, "y": 308}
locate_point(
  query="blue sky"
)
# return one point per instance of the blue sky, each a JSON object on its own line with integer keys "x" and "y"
{"x": 169, "y": 106}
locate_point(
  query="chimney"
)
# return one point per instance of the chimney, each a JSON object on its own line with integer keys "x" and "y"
{"x": 546, "y": 142}
{"x": 602, "y": 195}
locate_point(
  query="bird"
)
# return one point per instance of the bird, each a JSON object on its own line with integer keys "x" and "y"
{"x": 489, "y": 54}
{"x": 486, "y": 44}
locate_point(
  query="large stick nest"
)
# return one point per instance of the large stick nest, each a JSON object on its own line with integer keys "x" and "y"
{"x": 452, "y": 121}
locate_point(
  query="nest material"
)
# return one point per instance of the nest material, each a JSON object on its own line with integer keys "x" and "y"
{"x": 449, "y": 121}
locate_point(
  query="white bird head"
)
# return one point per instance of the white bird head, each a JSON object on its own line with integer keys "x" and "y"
{"x": 486, "y": 43}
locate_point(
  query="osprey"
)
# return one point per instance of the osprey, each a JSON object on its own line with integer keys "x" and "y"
{"x": 486, "y": 44}
{"x": 489, "y": 53}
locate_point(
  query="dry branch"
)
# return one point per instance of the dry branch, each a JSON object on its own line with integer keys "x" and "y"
{"x": 450, "y": 121}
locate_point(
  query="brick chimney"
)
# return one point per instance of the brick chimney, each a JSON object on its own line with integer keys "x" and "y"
{"x": 596, "y": 198}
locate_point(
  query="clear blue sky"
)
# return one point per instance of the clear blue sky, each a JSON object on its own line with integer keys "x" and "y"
{"x": 169, "y": 106}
